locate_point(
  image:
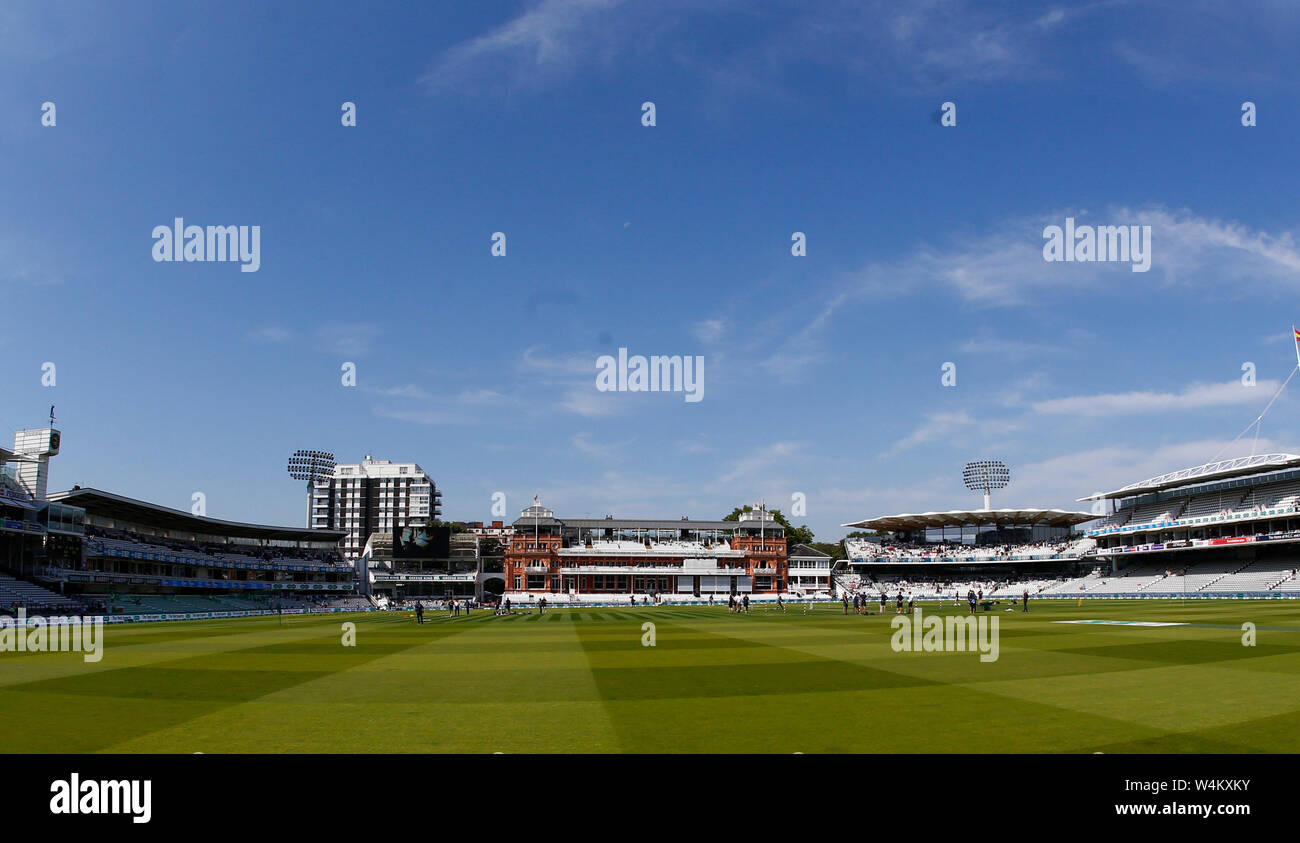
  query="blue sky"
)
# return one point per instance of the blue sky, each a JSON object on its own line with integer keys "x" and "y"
{"x": 822, "y": 373}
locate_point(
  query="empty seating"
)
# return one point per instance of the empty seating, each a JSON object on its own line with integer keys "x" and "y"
{"x": 15, "y": 592}
{"x": 1205, "y": 505}
{"x": 1257, "y": 576}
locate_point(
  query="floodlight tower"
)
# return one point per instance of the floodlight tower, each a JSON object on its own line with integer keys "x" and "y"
{"x": 311, "y": 466}
{"x": 985, "y": 476}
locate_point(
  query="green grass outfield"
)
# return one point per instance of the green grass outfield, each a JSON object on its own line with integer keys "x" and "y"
{"x": 581, "y": 681}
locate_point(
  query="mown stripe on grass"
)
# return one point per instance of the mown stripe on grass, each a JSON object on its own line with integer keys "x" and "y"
{"x": 90, "y": 710}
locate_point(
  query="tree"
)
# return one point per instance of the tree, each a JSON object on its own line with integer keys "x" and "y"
{"x": 796, "y": 535}
{"x": 456, "y": 526}
{"x": 864, "y": 534}
{"x": 836, "y": 549}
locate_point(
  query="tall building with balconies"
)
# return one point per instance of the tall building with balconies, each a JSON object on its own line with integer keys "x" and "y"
{"x": 373, "y": 496}
{"x": 32, "y": 452}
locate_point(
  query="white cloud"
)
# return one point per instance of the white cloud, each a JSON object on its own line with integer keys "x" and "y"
{"x": 482, "y": 396}
{"x": 769, "y": 458}
{"x": 1061, "y": 480}
{"x": 270, "y": 334}
{"x": 427, "y": 415}
{"x": 1003, "y": 266}
{"x": 709, "y": 331}
{"x": 409, "y": 390}
{"x": 603, "y": 451}
{"x": 548, "y": 41}
{"x": 697, "y": 445}
{"x": 347, "y": 339}
{"x": 535, "y": 362}
{"x": 1196, "y": 396}
{"x": 948, "y": 424}
{"x": 918, "y": 45}
{"x": 588, "y": 401}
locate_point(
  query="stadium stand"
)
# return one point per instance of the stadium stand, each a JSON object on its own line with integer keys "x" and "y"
{"x": 862, "y": 549}
{"x": 15, "y": 593}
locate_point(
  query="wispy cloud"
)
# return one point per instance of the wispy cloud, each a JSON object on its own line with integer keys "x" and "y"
{"x": 348, "y": 339}
{"x": 709, "y": 331}
{"x": 988, "y": 343}
{"x": 882, "y": 42}
{"x": 549, "y": 41}
{"x": 1194, "y": 397}
{"x": 270, "y": 335}
{"x": 1061, "y": 479}
{"x": 586, "y": 445}
{"x": 418, "y": 405}
{"x": 588, "y": 401}
{"x": 764, "y": 460}
{"x": 409, "y": 390}
{"x": 1003, "y": 267}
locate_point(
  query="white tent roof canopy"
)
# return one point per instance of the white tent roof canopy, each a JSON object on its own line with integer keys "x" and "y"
{"x": 1218, "y": 470}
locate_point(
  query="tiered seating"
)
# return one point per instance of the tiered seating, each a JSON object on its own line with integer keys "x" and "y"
{"x": 1115, "y": 519}
{"x": 1257, "y": 576}
{"x": 15, "y": 592}
{"x": 204, "y": 556}
{"x": 1132, "y": 580}
{"x": 1280, "y": 494}
{"x": 1292, "y": 584}
{"x": 1205, "y": 505}
{"x": 1198, "y": 577}
{"x": 1080, "y": 546}
{"x": 858, "y": 549}
{"x": 1017, "y": 589}
{"x": 1075, "y": 584}
{"x": 847, "y": 582}
{"x": 162, "y": 604}
{"x": 355, "y": 603}
{"x": 1204, "y": 578}
{"x": 1157, "y": 512}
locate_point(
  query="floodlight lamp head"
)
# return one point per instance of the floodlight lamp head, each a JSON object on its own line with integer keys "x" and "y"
{"x": 985, "y": 476}
{"x": 310, "y": 465}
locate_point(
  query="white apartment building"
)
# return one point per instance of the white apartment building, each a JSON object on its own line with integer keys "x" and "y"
{"x": 810, "y": 570}
{"x": 32, "y": 452}
{"x": 373, "y": 496}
